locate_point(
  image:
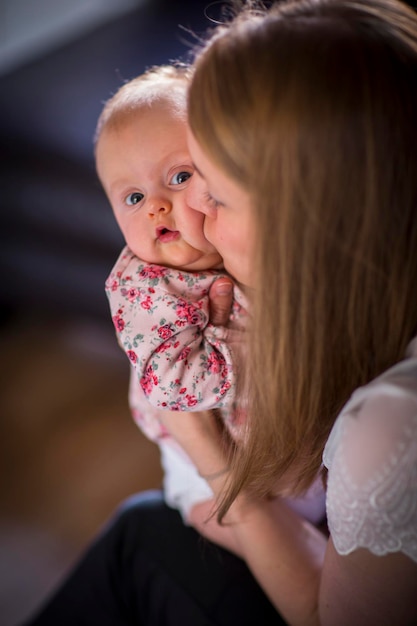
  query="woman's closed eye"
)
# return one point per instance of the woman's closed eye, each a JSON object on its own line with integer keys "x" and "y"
{"x": 180, "y": 177}
{"x": 134, "y": 198}
{"x": 210, "y": 201}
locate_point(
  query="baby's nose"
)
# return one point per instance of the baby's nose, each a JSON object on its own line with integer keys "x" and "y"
{"x": 157, "y": 206}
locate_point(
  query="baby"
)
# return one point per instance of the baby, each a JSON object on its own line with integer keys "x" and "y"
{"x": 158, "y": 288}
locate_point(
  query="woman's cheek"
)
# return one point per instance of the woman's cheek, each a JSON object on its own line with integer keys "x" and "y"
{"x": 210, "y": 231}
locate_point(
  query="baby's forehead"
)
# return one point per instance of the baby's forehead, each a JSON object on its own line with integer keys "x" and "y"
{"x": 150, "y": 134}
{"x": 159, "y": 111}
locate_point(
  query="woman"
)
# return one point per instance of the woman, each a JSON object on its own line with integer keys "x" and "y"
{"x": 303, "y": 133}
{"x": 310, "y": 153}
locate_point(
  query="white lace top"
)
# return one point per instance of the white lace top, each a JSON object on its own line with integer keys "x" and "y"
{"x": 371, "y": 456}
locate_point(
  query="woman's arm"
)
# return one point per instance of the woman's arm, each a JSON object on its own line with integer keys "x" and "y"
{"x": 295, "y": 564}
{"x": 250, "y": 528}
{"x": 307, "y": 580}
{"x": 362, "y": 589}
{"x": 284, "y": 552}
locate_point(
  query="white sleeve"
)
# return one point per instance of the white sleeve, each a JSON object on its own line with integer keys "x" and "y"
{"x": 372, "y": 474}
{"x": 183, "y": 486}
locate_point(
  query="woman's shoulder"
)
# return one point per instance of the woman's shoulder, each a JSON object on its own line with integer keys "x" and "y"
{"x": 382, "y": 404}
{"x": 371, "y": 456}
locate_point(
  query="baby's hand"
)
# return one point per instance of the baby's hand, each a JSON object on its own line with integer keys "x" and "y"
{"x": 221, "y": 296}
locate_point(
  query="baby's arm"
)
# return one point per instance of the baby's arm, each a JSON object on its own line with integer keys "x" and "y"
{"x": 161, "y": 318}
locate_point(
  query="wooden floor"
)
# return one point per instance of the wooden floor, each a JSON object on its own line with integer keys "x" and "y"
{"x": 69, "y": 451}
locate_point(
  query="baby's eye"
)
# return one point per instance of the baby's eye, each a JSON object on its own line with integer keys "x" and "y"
{"x": 134, "y": 198}
{"x": 180, "y": 178}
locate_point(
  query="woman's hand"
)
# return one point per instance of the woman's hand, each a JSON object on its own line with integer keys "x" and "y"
{"x": 221, "y": 296}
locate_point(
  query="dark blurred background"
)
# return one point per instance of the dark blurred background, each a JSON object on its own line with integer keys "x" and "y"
{"x": 59, "y": 61}
{"x": 69, "y": 452}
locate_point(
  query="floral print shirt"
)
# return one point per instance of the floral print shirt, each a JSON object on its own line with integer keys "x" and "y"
{"x": 180, "y": 362}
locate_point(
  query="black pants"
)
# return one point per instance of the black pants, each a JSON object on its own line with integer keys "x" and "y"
{"x": 148, "y": 569}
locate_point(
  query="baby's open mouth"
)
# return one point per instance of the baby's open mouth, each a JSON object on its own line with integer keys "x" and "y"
{"x": 165, "y": 235}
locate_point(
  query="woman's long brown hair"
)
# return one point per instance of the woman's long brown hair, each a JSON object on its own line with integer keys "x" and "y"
{"x": 312, "y": 107}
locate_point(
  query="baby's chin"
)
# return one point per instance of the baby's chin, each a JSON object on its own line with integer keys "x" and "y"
{"x": 189, "y": 260}
{"x": 211, "y": 261}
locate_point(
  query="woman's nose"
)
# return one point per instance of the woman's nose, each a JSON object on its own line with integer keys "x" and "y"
{"x": 157, "y": 206}
{"x": 195, "y": 195}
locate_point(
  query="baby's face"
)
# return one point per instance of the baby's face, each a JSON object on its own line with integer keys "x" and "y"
{"x": 144, "y": 167}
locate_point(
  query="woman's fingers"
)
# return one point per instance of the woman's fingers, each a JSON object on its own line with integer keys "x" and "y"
{"x": 221, "y": 295}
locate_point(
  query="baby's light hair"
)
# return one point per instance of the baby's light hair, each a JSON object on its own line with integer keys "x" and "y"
{"x": 160, "y": 84}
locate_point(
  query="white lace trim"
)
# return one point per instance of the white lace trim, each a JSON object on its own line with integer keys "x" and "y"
{"x": 376, "y": 509}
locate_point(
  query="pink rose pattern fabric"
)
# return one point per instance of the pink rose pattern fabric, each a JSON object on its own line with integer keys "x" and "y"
{"x": 180, "y": 361}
